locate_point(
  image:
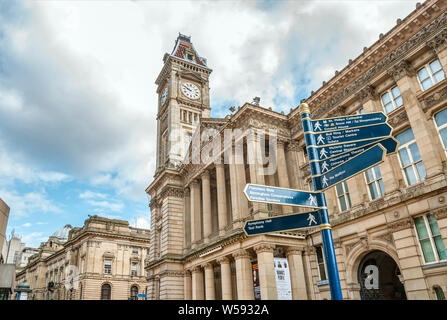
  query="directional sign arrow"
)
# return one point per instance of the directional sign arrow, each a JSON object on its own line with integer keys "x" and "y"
{"x": 292, "y": 197}
{"x": 283, "y": 223}
{"x": 327, "y": 164}
{"x": 359, "y": 163}
{"x": 349, "y": 135}
{"x": 348, "y": 122}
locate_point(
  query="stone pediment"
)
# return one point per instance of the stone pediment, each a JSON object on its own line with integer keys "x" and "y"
{"x": 190, "y": 75}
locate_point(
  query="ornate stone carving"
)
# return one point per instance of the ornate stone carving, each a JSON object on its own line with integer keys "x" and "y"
{"x": 434, "y": 98}
{"x": 438, "y": 42}
{"x": 196, "y": 269}
{"x": 294, "y": 251}
{"x": 398, "y": 118}
{"x": 440, "y": 213}
{"x": 367, "y": 93}
{"x": 401, "y": 224}
{"x": 172, "y": 191}
{"x": 223, "y": 260}
{"x": 401, "y": 69}
{"x": 264, "y": 247}
{"x": 242, "y": 253}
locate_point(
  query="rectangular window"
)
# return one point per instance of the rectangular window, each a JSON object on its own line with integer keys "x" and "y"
{"x": 320, "y": 262}
{"x": 374, "y": 182}
{"x": 344, "y": 200}
{"x": 441, "y": 126}
{"x": 134, "y": 269}
{"x": 391, "y": 99}
{"x": 82, "y": 265}
{"x": 410, "y": 158}
{"x": 108, "y": 266}
{"x": 430, "y": 74}
{"x": 135, "y": 250}
{"x": 430, "y": 239}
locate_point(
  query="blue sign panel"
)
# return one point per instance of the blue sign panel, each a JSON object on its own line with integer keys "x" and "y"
{"x": 324, "y": 152}
{"x": 359, "y": 163}
{"x": 349, "y": 135}
{"x": 339, "y": 123}
{"x": 323, "y": 166}
{"x": 275, "y": 195}
{"x": 283, "y": 223}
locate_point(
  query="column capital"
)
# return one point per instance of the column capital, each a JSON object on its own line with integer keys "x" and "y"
{"x": 264, "y": 247}
{"x": 294, "y": 250}
{"x": 293, "y": 146}
{"x": 205, "y": 174}
{"x": 186, "y": 192}
{"x": 242, "y": 253}
{"x": 187, "y": 273}
{"x": 401, "y": 69}
{"x": 220, "y": 165}
{"x": 223, "y": 260}
{"x": 196, "y": 269}
{"x": 207, "y": 265}
{"x": 194, "y": 183}
{"x": 367, "y": 93}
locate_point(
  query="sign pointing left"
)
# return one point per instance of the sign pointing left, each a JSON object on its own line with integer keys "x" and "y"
{"x": 283, "y": 223}
{"x": 275, "y": 195}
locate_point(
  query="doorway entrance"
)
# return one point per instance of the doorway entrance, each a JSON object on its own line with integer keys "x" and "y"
{"x": 380, "y": 278}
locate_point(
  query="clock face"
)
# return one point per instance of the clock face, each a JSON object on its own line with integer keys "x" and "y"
{"x": 164, "y": 95}
{"x": 190, "y": 90}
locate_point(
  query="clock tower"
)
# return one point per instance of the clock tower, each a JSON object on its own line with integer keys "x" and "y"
{"x": 183, "y": 99}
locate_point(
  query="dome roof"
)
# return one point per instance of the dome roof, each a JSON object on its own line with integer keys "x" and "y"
{"x": 62, "y": 233}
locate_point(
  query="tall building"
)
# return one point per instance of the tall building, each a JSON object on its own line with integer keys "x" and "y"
{"x": 4, "y": 214}
{"x": 393, "y": 217}
{"x": 104, "y": 259}
{"x": 12, "y": 249}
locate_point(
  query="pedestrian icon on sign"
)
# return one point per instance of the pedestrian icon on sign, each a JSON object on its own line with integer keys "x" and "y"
{"x": 323, "y": 153}
{"x": 317, "y": 126}
{"x": 312, "y": 200}
{"x": 311, "y": 219}
{"x": 324, "y": 167}
{"x": 320, "y": 139}
{"x": 325, "y": 181}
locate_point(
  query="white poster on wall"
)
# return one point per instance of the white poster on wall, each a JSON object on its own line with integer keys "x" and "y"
{"x": 282, "y": 274}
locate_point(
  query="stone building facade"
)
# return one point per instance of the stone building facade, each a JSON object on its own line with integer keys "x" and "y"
{"x": 102, "y": 260}
{"x": 393, "y": 217}
{"x": 4, "y": 215}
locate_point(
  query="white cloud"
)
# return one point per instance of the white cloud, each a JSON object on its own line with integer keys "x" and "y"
{"x": 90, "y": 194}
{"x": 142, "y": 222}
{"x": 27, "y": 225}
{"x": 27, "y": 204}
{"x": 77, "y": 90}
{"x": 112, "y": 206}
{"x": 34, "y": 239}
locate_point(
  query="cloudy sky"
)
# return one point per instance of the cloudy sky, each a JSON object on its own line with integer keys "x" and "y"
{"x": 77, "y": 92}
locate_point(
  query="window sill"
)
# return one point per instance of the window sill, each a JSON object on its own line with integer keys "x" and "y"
{"x": 434, "y": 265}
{"x": 322, "y": 283}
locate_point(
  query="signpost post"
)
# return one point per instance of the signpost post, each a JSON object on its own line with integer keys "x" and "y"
{"x": 338, "y": 149}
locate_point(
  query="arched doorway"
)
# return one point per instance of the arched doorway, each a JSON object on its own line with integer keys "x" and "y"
{"x": 378, "y": 276}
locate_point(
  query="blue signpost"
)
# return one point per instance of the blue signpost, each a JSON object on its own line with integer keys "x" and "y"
{"x": 275, "y": 195}
{"x": 283, "y": 223}
{"x": 338, "y": 148}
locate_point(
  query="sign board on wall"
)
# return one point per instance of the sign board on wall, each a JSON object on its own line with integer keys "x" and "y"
{"x": 282, "y": 274}
{"x": 256, "y": 286}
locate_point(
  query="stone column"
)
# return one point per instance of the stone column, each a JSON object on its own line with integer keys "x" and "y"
{"x": 292, "y": 160}
{"x": 209, "y": 282}
{"x": 225, "y": 275}
{"x": 221, "y": 198}
{"x": 283, "y": 176}
{"x": 237, "y": 183}
{"x": 244, "y": 275}
{"x": 267, "y": 279}
{"x": 297, "y": 276}
{"x": 197, "y": 284}
{"x": 187, "y": 285}
{"x": 206, "y": 205}
{"x": 254, "y": 155}
{"x": 423, "y": 129}
{"x": 187, "y": 219}
{"x": 196, "y": 219}
{"x": 405, "y": 241}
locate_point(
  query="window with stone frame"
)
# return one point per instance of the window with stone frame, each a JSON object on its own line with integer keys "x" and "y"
{"x": 430, "y": 239}
{"x": 134, "y": 269}
{"x": 108, "y": 266}
{"x": 344, "y": 199}
{"x": 439, "y": 293}
{"x": 391, "y": 99}
{"x": 320, "y": 263}
{"x": 441, "y": 125}
{"x": 410, "y": 158}
{"x": 430, "y": 74}
{"x": 374, "y": 182}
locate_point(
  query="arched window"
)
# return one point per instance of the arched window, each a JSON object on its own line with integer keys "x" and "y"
{"x": 439, "y": 293}
{"x": 106, "y": 291}
{"x": 133, "y": 292}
